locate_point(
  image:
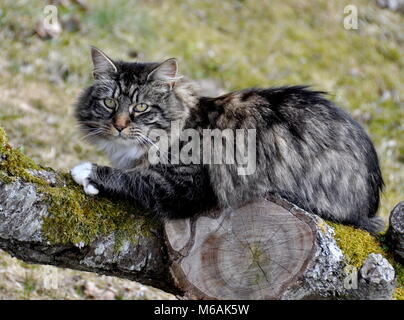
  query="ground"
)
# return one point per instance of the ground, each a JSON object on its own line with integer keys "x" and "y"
{"x": 237, "y": 43}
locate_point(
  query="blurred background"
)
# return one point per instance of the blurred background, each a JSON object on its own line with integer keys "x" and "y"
{"x": 229, "y": 45}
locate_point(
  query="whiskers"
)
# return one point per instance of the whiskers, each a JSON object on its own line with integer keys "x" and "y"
{"x": 101, "y": 135}
{"x": 94, "y": 129}
{"x": 146, "y": 141}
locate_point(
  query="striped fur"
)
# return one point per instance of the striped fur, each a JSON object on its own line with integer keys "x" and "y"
{"x": 308, "y": 150}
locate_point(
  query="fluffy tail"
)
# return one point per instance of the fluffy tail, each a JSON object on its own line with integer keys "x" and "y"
{"x": 373, "y": 225}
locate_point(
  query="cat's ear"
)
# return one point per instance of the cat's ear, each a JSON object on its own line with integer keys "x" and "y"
{"x": 166, "y": 71}
{"x": 103, "y": 66}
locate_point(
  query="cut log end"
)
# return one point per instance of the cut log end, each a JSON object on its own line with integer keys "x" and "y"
{"x": 254, "y": 252}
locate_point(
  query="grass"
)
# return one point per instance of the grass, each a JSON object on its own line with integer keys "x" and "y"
{"x": 240, "y": 43}
{"x": 29, "y": 285}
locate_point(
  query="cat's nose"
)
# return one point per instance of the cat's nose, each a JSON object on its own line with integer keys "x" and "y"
{"x": 119, "y": 127}
{"x": 121, "y": 122}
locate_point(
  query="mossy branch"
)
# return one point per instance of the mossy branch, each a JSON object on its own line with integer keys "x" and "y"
{"x": 46, "y": 218}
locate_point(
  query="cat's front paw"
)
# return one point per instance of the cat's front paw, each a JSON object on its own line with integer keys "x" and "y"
{"x": 82, "y": 174}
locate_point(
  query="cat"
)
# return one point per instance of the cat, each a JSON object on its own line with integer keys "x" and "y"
{"x": 308, "y": 151}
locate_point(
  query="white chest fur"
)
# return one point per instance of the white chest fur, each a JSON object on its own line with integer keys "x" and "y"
{"x": 122, "y": 156}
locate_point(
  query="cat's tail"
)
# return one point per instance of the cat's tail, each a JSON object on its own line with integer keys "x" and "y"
{"x": 373, "y": 225}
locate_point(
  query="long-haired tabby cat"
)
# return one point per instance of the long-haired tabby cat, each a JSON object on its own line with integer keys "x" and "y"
{"x": 307, "y": 150}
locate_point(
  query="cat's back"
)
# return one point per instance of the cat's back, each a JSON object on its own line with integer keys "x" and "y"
{"x": 307, "y": 150}
{"x": 294, "y": 107}
{"x": 302, "y": 120}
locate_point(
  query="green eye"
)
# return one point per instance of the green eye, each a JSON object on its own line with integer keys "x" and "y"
{"x": 110, "y": 103}
{"x": 141, "y": 107}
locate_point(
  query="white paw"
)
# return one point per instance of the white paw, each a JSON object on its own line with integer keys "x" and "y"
{"x": 90, "y": 189}
{"x": 81, "y": 174}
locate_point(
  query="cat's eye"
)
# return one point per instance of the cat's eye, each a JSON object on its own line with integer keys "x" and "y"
{"x": 110, "y": 103}
{"x": 141, "y": 107}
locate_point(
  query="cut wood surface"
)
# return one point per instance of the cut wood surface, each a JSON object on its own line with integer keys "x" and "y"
{"x": 254, "y": 252}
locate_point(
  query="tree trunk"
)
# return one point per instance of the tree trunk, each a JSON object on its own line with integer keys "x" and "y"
{"x": 267, "y": 249}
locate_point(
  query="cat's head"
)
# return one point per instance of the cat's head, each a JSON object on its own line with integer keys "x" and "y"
{"x": 129, "y": 99}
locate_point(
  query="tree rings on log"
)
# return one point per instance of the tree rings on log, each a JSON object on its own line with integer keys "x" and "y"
{"x": 254, "y": 252}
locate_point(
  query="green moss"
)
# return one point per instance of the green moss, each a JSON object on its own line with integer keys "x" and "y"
{"x": 399, "y": 294}
{"x": 5, "y": 178}
{"x": 73, "y": 216}
{"x": 16, "y": 164}
{"x": 358, "y": 244}
{"x": 76, "y": 217}
{"x": 399, "y": 268}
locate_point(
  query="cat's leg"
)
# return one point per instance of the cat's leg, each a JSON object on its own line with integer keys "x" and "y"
{"x": 168, "y": 191}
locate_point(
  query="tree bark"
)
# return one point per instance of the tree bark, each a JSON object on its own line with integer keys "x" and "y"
{"x": 22, "y": 211}
{"x": 395, "y": 234}
{"x": 267, "y": 249}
